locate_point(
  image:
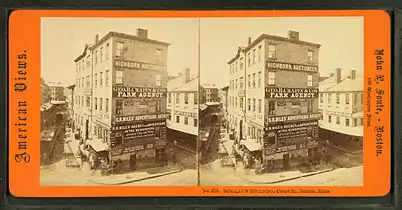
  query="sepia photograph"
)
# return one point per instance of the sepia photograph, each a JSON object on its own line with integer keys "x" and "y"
{"x": 119, "y": 101}
{"x": 281, "y": 101}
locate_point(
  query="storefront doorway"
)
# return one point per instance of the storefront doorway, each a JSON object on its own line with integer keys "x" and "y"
{"x": 241, "y": 129}
{"x": 286, "y": 161}
{"x": 133, "y": 161}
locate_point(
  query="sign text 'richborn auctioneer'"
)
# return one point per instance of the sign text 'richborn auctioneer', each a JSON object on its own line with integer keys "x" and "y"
{"x": 304, "y": 145}
{"x": 290, "y": 93}
{"x": 138, "y": 65}
{"x": 138, "y": 92}
{"x": 136, "y": 118}
{"x": 291, "y": 67}
{"x": 289, "y": 118}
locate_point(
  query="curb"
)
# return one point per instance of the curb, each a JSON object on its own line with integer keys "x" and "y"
{"x": 187, "y": 149}
{"x": 288, "y": 179}
{"x": 140, "y": 179}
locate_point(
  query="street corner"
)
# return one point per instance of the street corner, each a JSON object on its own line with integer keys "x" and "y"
{"x": 120, "y": 179}
{"x": 279, "y": 177}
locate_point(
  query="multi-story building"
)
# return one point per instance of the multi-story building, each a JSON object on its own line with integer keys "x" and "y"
{"x": 56, "y": 91}
{"x": 273, "y": 98}
{"x": 44, "y": 92}
{"x": 225, "y": 103}
{"x": 209, "y": 93}
{"x": 121, "y": 92}
{"x": 182, "y": 105}
{"x": 341, "y": 106}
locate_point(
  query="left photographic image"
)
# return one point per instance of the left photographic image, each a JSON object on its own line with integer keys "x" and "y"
{"x": 119, "y": 101}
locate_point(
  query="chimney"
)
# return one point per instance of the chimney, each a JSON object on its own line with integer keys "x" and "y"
{"x": 186, "y": 75}
{"x": 353, "y": 74}
{"x": 249, "y": 40}
{"x": 338, "y": 75}
{"x": 96, "y": 38}
{"x": 142, "y": 33}
{"x": 293, "y": 35}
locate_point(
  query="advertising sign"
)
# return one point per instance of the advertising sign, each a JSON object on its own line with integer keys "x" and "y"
{"x": 138, "y": 92}
{"x": 290, "y": 93}
{"x": 137, "y": 118}
{"x": 290, "y": 118}
{"x": 138, "y": 65}
{"x": 289, "y": 148}
{"x": 140, "y": 130}
{"x": 186, "y": 114}
{"x": 292, "y": 67}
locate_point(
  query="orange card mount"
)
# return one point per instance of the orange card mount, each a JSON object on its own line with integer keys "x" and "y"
{"x": 305, "y": 111}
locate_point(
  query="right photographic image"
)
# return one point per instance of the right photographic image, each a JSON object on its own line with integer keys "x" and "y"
{"x": 281, "y": 101}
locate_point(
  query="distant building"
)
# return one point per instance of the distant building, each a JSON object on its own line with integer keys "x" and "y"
{"x": 44, "y": 92}
{"x": 225, "y": 103}
{"x": 341, "y": 104}
{"x": 210, "y": 93}
{"x": 182, "y": 105}
{"x": 56, "y": 91}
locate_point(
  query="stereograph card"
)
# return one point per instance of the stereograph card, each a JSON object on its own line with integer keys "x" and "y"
{"x": 199, "y": 103}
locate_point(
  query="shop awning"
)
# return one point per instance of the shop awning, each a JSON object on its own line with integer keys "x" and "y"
{"x": 251, "y": 145}
{"x": 98, "y": 145}
{"x": 352, "y": 131}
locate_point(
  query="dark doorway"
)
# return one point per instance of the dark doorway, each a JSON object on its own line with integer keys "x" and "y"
{"x": 286, "y": 161}
{"x": 86, "y": 129}
{"x": 241, "y": 129}
{"x": 133, "y": 161}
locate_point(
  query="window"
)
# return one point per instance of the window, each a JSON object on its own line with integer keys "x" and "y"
{"x": 310, "y": 56}
{"x": 195, "y": 98}
{"x": 309, "y": 80}
{"x": 96, "y": 57}
{"x": 249, "y": 59}
{"x": 259, "y": 105}
{"x": 271, "y": 78}
{"x": 88, "y": 82}
{"x": 119, "y": 49}
{"x": 241, "y": 102}
{"x": 254, "y": 56}
{"x": 186, "y": 98}
{"x": 82, "y": 100}
{"x": 106, "y": 77}
{"x": 338, "y": 98}
{"x": 361, "y": 121}
{"x": 271, "y": 108}
{"x": 106, "y": 105}
{"x": 100, "y": 78}
{"x": 249, "y": 82}
{"x": 96, "y": 79}
{"x": 100, "y": 104}
{"x": 241, "y": 63}
{"x": 177, "y": 98}
{"x": 355, "y": 122}
{"x": 271, "y": 51}
{"x": 119, "y": 77}
{"x": 107, "y": 51}
{"x": 170, "y": 97}
{"x": 236, "y": 102}
{"x": 338, "y": 120}
{"x": 347, "y": 122}
{"x": 259, "y": 53}
{"x": 321, "y": 98}
{"x": 355, "y": 98}
{"x": 177, "y": 119}
{"x": 96, "y": 103}
{"x": 101, "y": 55}
{"x": 76, "y": 67}
{"x": 119, "y": 106}
{"x": 329, "y": 97}
{"x": 249, "y": 104}
{"x": 185, "y": 120}
{"x": 82, "y": 82}
{"x": 236, "y": 83}
{"x": 158, "y": 80}
{"x": 88, "y": 62}
{"x": 159, "y": 54}
{"x": 253, "y": 105}
{"x": 195, "y": 123}
{"x": 361, "y": 98}
{"x": 346, "y": 98}
{"x": 253, "y": 79}
{"x": 259, "y": 79}
{"x": 88, "y": 101}
{"x": 330, "y": 119}
{"x": 235, "y": 67}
